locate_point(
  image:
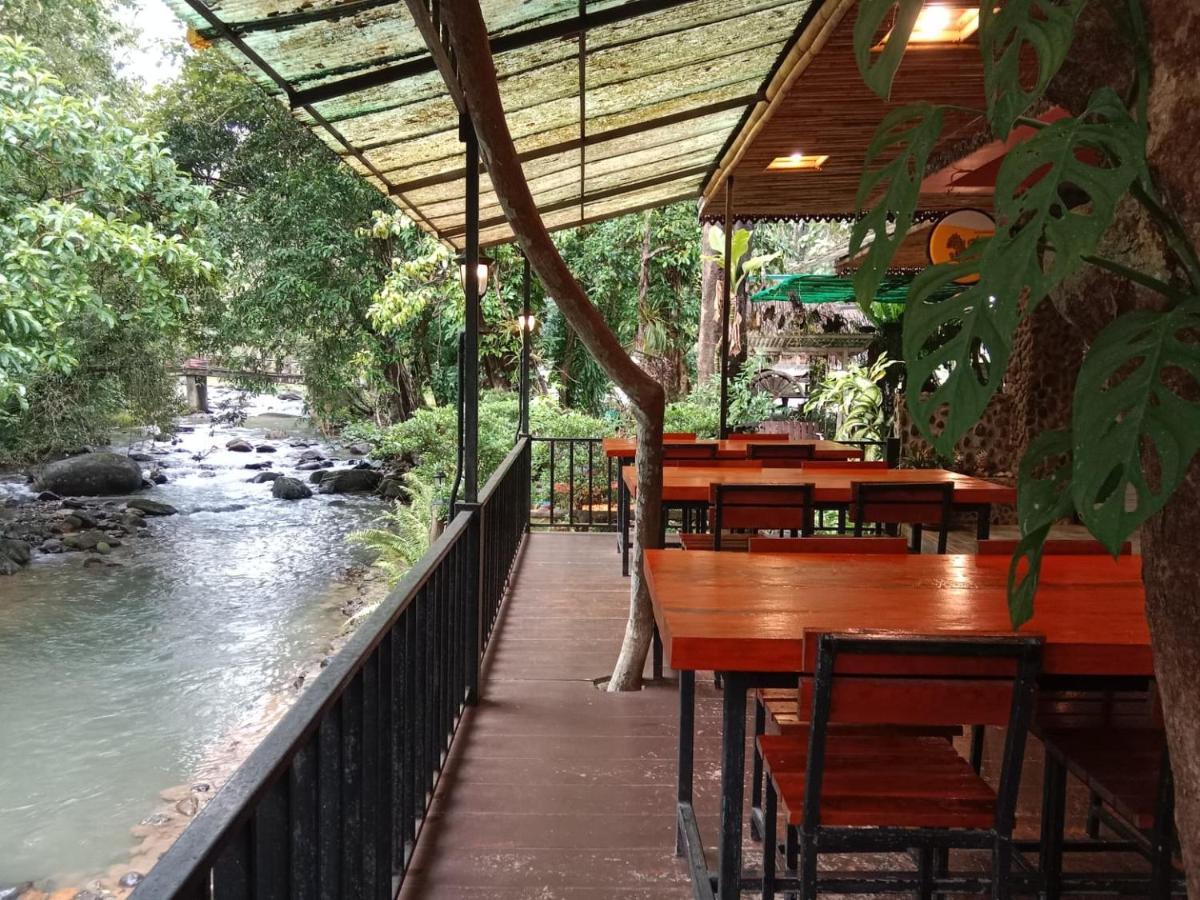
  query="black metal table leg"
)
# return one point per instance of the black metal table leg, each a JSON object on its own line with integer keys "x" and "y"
{"x": 1054, "y": 808}
{"x": 983, "y": 522}
{"x": 733, "y": 775}
{"x": 656, "y": 647}
{"x": 687, "y": 738}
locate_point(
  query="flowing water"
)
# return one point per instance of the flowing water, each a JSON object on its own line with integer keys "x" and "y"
{"x": 116, "y": 683}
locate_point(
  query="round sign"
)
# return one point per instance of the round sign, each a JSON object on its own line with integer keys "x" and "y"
{"x": 955, "y": 232}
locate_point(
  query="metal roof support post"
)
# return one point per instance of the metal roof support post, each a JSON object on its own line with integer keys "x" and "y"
{"x": 469, "y": 385}
{"x": 726, "y": 292}
{"x": 526, "y": 340}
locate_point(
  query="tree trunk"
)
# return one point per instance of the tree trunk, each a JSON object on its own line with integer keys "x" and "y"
{"x": 1171, "y": 566}
{"x": 468, "y": 36}
{"x": 401, "y": 402}
{"x": 665, "y": 364}
{"x": 710, "y": 313}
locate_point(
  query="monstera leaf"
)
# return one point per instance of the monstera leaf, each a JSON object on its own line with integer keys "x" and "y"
{"x": 895, "y": 163}
{"x": 1043, "y": 497}
{"x": 871, "y": 16}
{"x": 1060, "y": 190}
{"x": 1044, "y": 26}
{"x": 962, "y": 343}
{"x": 1136, "y": 403}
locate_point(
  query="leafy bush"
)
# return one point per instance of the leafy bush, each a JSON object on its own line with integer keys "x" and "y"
{"x": 854, "y": 397}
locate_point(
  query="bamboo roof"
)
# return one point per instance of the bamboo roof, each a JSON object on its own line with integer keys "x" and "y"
{"x": 614, "y": 106}
{"x": 817, "y": 104}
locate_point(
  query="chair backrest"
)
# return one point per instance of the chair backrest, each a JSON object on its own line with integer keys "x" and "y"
{"x": 674, "y": 452}
{"x": 853, "y": 465}
{"x": 679, "y": 436}
{"x": 779, "y": 455}
{"x": 889, "y": 678}
{"x": 788, "y": 507}
{"x": 900, "y": 503}
{"x": 758, "y": 436}
{"x": 1008, "y": 546}
{"x": 829, "y": 545}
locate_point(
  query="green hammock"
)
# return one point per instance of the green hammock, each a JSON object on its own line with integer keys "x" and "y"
{"x": 812, "y": 289}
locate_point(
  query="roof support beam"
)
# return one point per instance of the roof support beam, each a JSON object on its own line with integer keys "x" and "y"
{"x": 501, "y": 43}
{"x": 594, "y": 197}
{"x": 291, "y": 20}
{"x": 591, "y": 140}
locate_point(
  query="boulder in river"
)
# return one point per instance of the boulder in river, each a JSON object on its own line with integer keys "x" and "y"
{"x": 238, "y": 445}
{"x": 264, "y": 477}
{"x": 290, "y": 489}
{"x": 360, "y": 448}
{"x": 130, "y": 879}
{"x": 13, "y": 891}
{"x": 317, "y": 476}
{"x": 151, "y": 507}
{"x": 17, "y": 551}
{"x": 87, "y": 540}
{"x": 48, "y": 497}
{"x": 349, "y": 481}
{"x": 138, "y": 456}
{"x": 257, "y": 465}
{"x": 91, "y": 474}
{"x": 289, "y": 395}
{"x": 264, "y": 448}
{"x": 312, "y": 455}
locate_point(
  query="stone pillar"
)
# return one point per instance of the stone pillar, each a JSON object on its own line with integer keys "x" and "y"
{"x": 197, "y": 392}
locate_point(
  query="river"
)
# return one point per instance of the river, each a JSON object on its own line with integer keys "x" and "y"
{"x": 119, "y": 682}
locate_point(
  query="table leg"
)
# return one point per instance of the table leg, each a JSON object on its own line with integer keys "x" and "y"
{"x": 1054, "y": 800}
{"x": 733, "y": 776}
{"x": 687, "y": 739}
{"x": 983, "y": 522}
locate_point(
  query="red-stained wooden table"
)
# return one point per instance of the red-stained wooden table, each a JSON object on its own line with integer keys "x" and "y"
{"x": 744, "y": 616}
{"x": 624, "y": 448}
{"x": 688, "y": 486}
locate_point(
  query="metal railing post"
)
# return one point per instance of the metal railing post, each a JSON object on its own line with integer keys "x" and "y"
{"x": 473, "y": 585}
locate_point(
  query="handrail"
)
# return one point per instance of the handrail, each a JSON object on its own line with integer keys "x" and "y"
{"x": 370, "y": 734}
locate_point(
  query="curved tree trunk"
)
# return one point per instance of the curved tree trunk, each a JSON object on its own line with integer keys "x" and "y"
{"x": 709, "y": 335}
{"x": 1171, "y": 567}
{"x": 467, "y": 34}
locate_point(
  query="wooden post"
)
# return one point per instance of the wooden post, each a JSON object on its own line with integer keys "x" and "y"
{"x": 726, "y": 300}
{"x": 469, "y": 387}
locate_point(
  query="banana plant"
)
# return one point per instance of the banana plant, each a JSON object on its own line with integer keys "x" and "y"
{"x": 739, "y": 246}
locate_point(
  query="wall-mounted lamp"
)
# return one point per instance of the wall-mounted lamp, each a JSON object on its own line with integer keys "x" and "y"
{"x": 482, "y": 272}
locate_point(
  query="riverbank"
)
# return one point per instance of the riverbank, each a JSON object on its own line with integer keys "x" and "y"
{"x": 162, "y": 662}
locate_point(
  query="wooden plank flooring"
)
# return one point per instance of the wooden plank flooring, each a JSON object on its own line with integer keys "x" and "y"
{"x": 556, "y": 789}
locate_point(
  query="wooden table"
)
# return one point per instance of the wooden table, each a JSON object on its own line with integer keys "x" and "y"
{"x": 744, "y": 616}
{"x": 624, "y": 448}
{"x": 688, "y": 487}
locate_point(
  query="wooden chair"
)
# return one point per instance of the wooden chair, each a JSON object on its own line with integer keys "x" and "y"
{"x": 758, "y": 436}
{"x": 852, "y": 793}
{"x": 678, "y": 436}
{"x": 856, "y": 465}
{"x": 1114, "y": 742}
{"x": 673, "y": 453}
{"x": 1008, "y": 546}
{"x": 829, "y": 545}
{"x": 753, "y": 507}
{"x": 895, "y": 503}
{"x": 780, "y": 455}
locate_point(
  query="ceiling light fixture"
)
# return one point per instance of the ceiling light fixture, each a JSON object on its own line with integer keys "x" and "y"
{"x": 798, "y": 162}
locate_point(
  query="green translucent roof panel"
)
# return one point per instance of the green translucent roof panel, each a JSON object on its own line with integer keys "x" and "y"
{"x": 664, "y": 83}
{"x": 813, "y": 289}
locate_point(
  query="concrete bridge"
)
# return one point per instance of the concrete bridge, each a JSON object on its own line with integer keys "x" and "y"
{"x": 196, "y": 372}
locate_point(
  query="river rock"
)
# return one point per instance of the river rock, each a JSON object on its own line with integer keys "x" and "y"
{"x": 17, "y": 551}
{"x": 158, "y": 477}
{"x": 132, "y": 520}
{"x": 138, "y": 456}
{"x": 48, "y": 497}
{"x": 264, "y": 477}
{"x": 350, "y": 481}
{"x": 85, "y": 540}
{"x": 151, "y": 507}
{"x": 312, "y": 455}
{"x": 391, "y": 489}
{"x": 92, "y": 474}
{"x": 257, "y": 465}
{"x": 289, "y": 395}
{"x": 237, "y": 445}
{"x": 103, "y": 547}
{"x": 188, "y": 806}
{"x": 51, "y": 545}
{"x": 12, "y": 892}
{"x": 131, "y": 879}
{"x": 264, "y": 448}
{"x": 318, "y": 476}
{"x": 290, "y": 489}
{"x": 359, "y": 448}
{"x": 311, "y": 466}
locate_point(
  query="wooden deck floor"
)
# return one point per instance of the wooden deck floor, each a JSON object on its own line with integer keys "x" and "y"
{"x": 555, "y": 789}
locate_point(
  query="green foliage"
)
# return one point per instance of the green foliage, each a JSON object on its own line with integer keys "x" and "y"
{"x": 739, "y": 245}
{"x": 101, "y": 236}
{"x": 699, "y": 412}
{"x": 1056, "y": 196}
{"x": 401, "y": 535}
{"x": 878, "y": 75}
{"x": 896, "y": 157}
{"x": 1132, "y": 404}
{"x": 1006, "y": 36}
{"x": 854, "y": 396}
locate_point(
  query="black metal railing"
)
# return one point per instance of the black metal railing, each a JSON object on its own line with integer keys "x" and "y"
{"x": 332, "y": 802}
{"x": 574, "y": 484}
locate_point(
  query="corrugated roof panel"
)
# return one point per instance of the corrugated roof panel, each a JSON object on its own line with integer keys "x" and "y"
{"x": 666, "y": 82}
